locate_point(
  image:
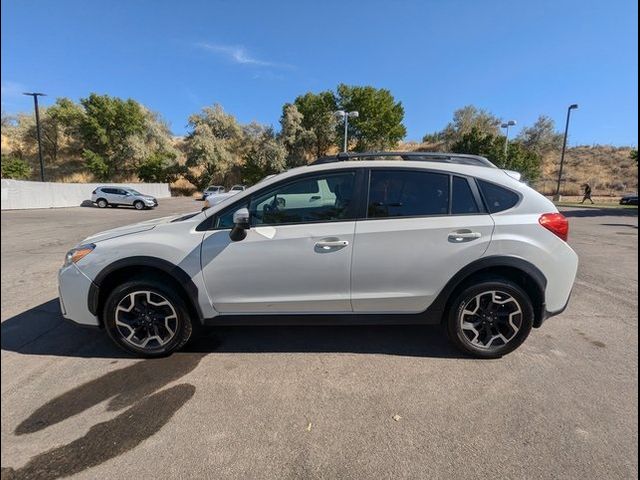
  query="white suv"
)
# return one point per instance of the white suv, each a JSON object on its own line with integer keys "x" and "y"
{"x": 432, "y": 238}
{"x": 115, "y": 196}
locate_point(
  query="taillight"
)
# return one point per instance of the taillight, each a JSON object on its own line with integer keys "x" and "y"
{"x": 556, "y": 223}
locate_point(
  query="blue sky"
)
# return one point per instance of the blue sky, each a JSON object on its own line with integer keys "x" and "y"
{"x": 517, "y": 59}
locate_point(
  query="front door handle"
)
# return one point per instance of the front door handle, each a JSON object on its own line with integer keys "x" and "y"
{"x": 331, "y": 244}
{"x": 462, "y": 236}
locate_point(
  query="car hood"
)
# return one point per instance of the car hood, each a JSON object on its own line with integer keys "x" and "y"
{"x": 129, "y": 229}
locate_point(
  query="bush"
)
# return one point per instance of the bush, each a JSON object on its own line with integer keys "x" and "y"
{"x": 96, "y": 165}
{"x": 159, "y": 168}
{"x": 15, "y": 168}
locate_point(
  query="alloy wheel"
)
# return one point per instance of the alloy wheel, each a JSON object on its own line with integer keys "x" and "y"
{"x": 491, "y": 319}
{"x": 146, "y": 319}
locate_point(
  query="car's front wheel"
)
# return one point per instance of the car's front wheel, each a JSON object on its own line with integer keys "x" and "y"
{"x": 138, "y": 205}
{"x": 147, "y": 318}
{"x": 490, "y": 318}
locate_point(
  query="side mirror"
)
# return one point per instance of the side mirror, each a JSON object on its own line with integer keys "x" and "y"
{"x": 240, "y": 225}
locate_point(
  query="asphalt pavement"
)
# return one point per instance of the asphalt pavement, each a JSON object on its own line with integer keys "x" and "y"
{"x": 317, "y": 402}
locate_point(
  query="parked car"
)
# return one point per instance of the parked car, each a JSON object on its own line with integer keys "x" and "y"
{"x": 629, "y": 200}
{"x": 212, "y": 189}
{"x": 435, "y": 238}
{"x": 116, "y": 196}
{"x": 215, "y": 198}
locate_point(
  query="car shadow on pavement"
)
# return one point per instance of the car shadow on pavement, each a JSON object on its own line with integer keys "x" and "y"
{"x": 578, "y": 212}
{"x": 43, "y": 331}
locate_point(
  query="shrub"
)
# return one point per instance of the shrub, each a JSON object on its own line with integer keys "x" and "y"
{"x": 15, "y": 168}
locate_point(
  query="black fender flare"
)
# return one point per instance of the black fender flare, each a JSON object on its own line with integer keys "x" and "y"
{"x": 177, "y": 273}
{"x": 440, "y": 304}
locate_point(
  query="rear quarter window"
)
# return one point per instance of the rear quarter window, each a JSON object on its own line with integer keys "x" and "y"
{"x": 497, "y": 198}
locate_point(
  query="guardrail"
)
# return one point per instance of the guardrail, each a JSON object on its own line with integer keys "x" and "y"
{"x": 19, "y": 194}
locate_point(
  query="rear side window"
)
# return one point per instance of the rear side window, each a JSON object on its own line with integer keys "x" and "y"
{"x": 497, "y": 198}
{"x": 463, "y": 201}
{"x": 399, "y": 193}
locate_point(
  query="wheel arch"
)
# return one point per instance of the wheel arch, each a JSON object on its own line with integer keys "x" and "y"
{"x": 515, "y": 269}
{"x": 125, "y": 268}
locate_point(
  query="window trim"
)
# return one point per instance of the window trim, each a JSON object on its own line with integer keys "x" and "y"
{"x": 355, "y": 208}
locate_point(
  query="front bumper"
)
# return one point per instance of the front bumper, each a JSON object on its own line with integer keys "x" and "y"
{"x": 73, "y": 286}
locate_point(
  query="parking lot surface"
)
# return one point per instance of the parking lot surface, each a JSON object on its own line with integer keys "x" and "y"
{"x": 317, "y": 402}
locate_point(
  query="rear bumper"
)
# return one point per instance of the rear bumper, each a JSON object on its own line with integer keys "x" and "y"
{"x": 73, "y": 287}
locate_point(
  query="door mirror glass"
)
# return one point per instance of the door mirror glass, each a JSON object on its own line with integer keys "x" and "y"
{"x": 240, "y": 225}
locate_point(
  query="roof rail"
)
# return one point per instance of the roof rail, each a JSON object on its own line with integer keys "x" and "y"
{"x": 457, "y": 158}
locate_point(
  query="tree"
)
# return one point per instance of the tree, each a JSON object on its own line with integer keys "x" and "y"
{"x": 298, "y": 141}
{"x": 379, "y": 124}
{"x": 160, "y": 167}
{"x": 212, "y": 146}
{"x": 263, "y": 155}
{"x": 541, "y": 137}
{"x": 633, "y": 155}
{"x": 465, "y": 120}
{"x": 15, "y": 168}
{"x": 109, "y": 128}
{"x": 519, "y": 158}
{"x": 317, "y": 111}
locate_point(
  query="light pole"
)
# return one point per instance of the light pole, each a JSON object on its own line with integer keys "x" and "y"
{"x": 564, "y": 147}
{"x": 35, "y": 96}
{"x": 341, "y": 114}
{"x": 506, "y": 125}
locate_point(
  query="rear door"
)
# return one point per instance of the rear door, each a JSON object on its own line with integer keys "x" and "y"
{"x": 421, "y": 228}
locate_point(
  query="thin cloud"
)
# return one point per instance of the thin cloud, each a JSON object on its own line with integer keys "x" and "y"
{"x": 239, "y": 55}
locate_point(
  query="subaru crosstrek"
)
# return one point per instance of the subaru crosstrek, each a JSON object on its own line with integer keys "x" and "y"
{"x": 356, "y": 238}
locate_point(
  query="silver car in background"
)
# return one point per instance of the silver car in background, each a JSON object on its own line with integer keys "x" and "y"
{"x": 115, "y": 196}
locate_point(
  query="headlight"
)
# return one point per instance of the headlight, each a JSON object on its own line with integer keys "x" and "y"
{"x": 76, "y": 254}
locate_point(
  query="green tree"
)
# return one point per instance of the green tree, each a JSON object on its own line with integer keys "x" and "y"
{"x": 379, "y": 124}
{"x": 519, "y": 158}
{"x": 15, "y": 168}
{"x": 108, "y": 126}
{"x": 541, "y": 137}
{"x": 317, "y": 111}
{"x": 212, "y": 146}
{"x": 97, "y": 165}
{"x": 263, "y": 154}
{"x": 465, "y": 120}
{"x": 633, "y": 155}
{"x": 160, "y": 167}
{"x": 298, "y": 141}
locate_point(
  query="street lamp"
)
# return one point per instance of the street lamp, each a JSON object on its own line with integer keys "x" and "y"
{"x": 341, "y": 114}
{"x": 564, "y": 147}
{"x": 506, "y": 125}
{"x": 35, "y": 96}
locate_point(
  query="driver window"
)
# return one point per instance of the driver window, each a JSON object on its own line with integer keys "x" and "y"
{"x": 321, "y": 198}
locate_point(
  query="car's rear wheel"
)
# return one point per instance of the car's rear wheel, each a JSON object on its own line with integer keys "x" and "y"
{"x": 490, "y": 319}
{"x": 102, "y": 203}
{"x": 146, "y": 318}
{"x": 138, "y": 205}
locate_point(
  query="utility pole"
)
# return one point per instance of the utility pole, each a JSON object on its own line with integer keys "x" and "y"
{"x": 506, "y": 125}
{"x": 341, "y": 114}
{"x": 35, "y": 96}
{"x": 556, "y": 197}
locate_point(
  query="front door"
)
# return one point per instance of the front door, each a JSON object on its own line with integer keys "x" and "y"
{"x": 296, "y": 257}
{"x": 421, "y": 228}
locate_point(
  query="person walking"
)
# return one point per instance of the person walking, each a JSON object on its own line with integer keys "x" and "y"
{"x": 587, "y": 194}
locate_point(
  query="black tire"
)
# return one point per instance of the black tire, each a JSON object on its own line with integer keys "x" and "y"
{"x": 138, "y": 205}
{"x": 484, "y": 287}
{"x": 102, "y": 203}
{"x": 183, "y": 328}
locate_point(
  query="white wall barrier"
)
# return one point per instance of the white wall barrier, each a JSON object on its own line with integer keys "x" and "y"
{"x": 18, "y": 194}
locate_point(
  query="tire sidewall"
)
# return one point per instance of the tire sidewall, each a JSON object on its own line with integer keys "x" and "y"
{"x": 455, "y": 331}
{"x": 184, "y": 329}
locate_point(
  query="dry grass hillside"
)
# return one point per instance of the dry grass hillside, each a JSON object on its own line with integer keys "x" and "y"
{"x": 608, "y": 169}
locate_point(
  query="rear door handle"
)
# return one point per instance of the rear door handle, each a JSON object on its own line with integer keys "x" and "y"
{"x": 331, "y": 244}
{"x": 464, "y": 236}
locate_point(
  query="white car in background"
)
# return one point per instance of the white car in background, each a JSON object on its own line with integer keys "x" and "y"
{"x": 212, "y": 199}
{"x": 357, "y": 238}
